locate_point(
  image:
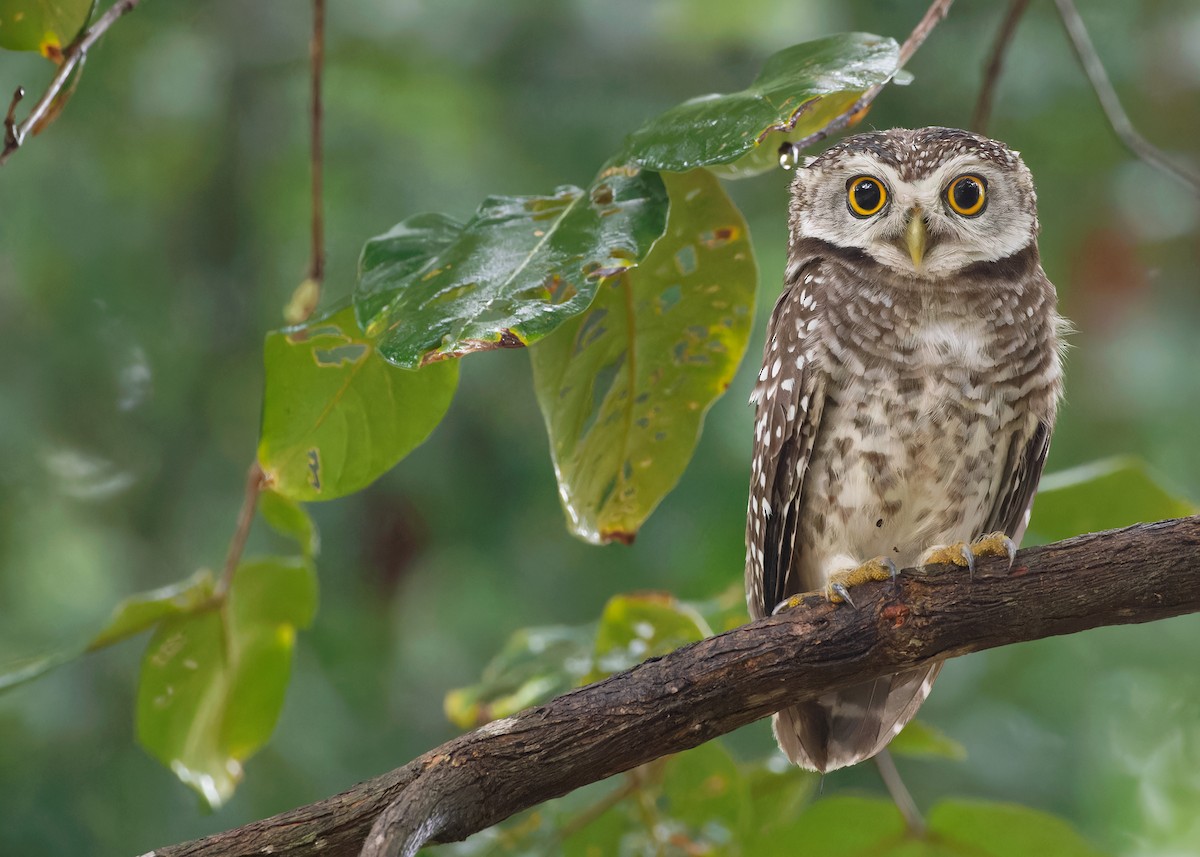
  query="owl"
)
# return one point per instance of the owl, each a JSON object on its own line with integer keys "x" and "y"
{"x": 910, "y": 380}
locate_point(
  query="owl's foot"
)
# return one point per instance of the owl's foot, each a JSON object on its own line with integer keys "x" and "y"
{"x": 963, "y": 555}
{"x": 838, "y": 588}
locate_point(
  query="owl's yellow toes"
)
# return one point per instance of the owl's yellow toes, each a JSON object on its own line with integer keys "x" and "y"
{"x": 838, "y": 588}
{"x": 995, "y": 544}
{"x": 788, "y": 604}
{"x": 959, "y": 554}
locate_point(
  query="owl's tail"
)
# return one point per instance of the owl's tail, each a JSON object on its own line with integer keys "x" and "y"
{"x": 848, "y": 726}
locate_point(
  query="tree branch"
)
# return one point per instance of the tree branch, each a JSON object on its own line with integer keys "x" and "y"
{"x": 1118, "y": 119}
{"x": 936, "y": 11}
{"x": 73, "y": 56}
{"x": 991, "y": 73}
{"x": 673, "y": 703}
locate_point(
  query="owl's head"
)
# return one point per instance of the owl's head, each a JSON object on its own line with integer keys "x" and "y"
{"x": 926, "y": 203}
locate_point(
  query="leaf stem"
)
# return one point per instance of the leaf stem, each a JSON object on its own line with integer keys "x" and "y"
{"x": 991, "y": 73}
{"x": 15, "y": 133}
{"x": 936, "y": 11}
{"x": 255, "y": 482}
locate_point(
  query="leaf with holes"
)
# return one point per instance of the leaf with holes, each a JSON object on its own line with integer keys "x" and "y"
{"x": 799, "y": 91}
{"x": 516, "y": 271}
{"x": 45, "y": 26}
{"x": 624, "y": 386}
{"x": 336, "y": 415}
{"x": 212, "y": 683}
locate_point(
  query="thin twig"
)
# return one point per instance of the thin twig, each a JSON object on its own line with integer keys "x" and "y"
{"x": 991, "y": 73}
{"x": 255, "y": 482}
{"x": 75, "y": 53}
{"x": 903, "y": 799}
{"x": 316, "y": 267}
{"x": 936, "y": 11}
{"x": 1085, "y": 52}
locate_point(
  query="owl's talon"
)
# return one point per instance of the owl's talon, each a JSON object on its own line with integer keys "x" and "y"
{"x": 995, "y": 544}
{"x": 788, "y": 604}
{"x": 879, "y": 568}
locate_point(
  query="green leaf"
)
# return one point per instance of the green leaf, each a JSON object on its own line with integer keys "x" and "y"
{"x": 640, "y": 626}
{"x": 517, "y": 270}
{"x": 213, "y": 683}
{"x": 408, "y": 248}
{"x": 1104, "y": 495}
{"x": 289, "y": 519}
{"x": 799, "y": 90}
{"x": 979, "y": 829}
{"x": 45, "y": 26}
{"x": 707, "y": 791}
{"x": 133, "y": 615}
{"x": 624, "y": 387}
{"x": 535, "y": 664}
{"x": 920, "y": 740}
{"x": 336, "y": 415}
{"x": 849, "y": 827}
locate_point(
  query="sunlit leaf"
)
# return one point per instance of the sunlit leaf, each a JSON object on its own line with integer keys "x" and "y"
{"x": 979, "y": 829}
{"x": 624, "y": 387}
{"x": 288, "y": 518}
{"x": 336, "y": 415}
{"x": 212, "y": 683}
{"x": 45, "y": 26}
{"x": 133, "y": 615}
{"x": 920, "y": 740}
{"x": 516, "y": 271}
{"x": 1103, "y": 495}
{"x": 535, "y": 664}
{"x": 638, "y": 626}
{"x": 797, "y": 92}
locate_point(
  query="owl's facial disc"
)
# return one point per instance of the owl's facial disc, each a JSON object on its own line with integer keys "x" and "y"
{"x": 966, "y": 209}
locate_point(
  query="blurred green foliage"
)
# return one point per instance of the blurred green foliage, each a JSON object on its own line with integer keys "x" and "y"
{"x": 155, "y": 232}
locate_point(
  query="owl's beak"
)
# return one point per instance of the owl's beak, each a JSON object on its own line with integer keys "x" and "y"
{"x": 916, "y": 235}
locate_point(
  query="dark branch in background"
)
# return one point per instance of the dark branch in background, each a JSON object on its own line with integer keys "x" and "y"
{"x": 936, "y": 11}
{"x": 991, "y": 73}
{"x": 1085, "y": 51}
{"x": 316, "y": 267}
{"x": 72, "y": 58}
{"x": 673, "y": 703}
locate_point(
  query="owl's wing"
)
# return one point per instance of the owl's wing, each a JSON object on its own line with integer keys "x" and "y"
{"x": 1025, "y": 460}
{"x": 790, "y": 396}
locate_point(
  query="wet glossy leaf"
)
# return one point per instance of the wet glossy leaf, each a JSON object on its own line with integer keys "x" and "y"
{"x": 410, "y": 247}
{"x": 336, "y": 415}
{"x": 536, "y": 664}
{"x": 46, "y": 26}
{"x": 288, "y": 518}
{"x": 516, "y": 271}
{"x": 624, "y": 386}
{"x": 798, "y": 91}
{"x": 643, "y": 625}
{"x": 920, "y": 740}
{"x": 1112, "y": 493}
{"x": 132, "y": 616}
{"x": 212, "y": 683}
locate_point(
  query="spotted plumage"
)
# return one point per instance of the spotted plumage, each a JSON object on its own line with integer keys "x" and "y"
{"x": 909, "y": 386}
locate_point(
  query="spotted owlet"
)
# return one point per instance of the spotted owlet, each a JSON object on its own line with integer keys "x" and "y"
{"x": 909, "y": 385}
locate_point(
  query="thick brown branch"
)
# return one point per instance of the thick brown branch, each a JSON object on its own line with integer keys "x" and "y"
{"x": 668, "y": 704}
{"x": 72, "y": 58}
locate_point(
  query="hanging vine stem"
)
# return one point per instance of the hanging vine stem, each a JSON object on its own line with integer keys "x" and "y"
{"x": 73, "y": 57}
{"x": 995, "y": 64}
{"x": 316, "y": 266}
{"x": 1118, "y": 119}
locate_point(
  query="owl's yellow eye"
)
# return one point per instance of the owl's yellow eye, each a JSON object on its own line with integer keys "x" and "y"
{"x": 865, "y": 196}
{"x": 967, "y": 195}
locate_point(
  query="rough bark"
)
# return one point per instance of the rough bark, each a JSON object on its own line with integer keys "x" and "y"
{"x": 698, "y": 692}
